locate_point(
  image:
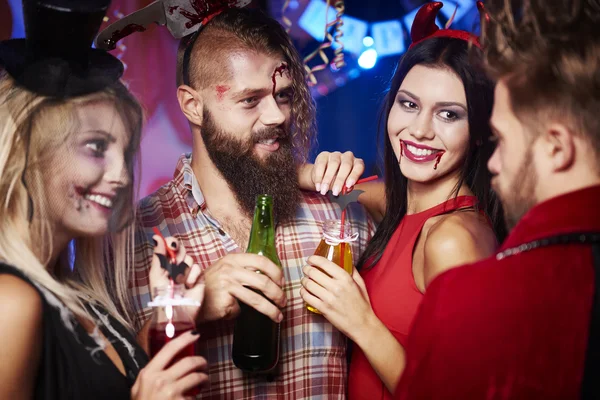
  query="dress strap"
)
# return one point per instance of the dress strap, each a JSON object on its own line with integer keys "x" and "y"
{"x": 454, "y": 204}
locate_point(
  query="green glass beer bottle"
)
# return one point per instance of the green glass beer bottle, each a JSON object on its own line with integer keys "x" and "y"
{"x": 256, "y": 336}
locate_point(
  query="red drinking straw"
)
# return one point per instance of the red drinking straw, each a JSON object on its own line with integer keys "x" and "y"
{"x": 368, "y": 179}
{"x": 342, "y": 223}
{"x": 343, "y": 220}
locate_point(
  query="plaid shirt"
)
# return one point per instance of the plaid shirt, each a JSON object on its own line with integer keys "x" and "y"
{"x": 312, "y": 363}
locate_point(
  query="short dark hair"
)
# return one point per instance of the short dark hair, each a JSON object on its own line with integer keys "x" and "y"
{"x": 548, "y": 54}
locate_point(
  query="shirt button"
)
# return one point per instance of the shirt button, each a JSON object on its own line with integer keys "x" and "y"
{"x": 221, "y": 232}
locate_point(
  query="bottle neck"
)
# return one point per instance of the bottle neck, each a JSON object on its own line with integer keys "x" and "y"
{"x": 262, "y": 234}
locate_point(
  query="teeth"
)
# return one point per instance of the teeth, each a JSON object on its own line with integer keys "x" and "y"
{"x": 102, "y": 200}
{"x": 419, "y": 152}
{"x": 267, "y": 141}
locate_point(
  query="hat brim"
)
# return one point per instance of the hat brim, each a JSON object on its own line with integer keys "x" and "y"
{"x": 58, "y": 77}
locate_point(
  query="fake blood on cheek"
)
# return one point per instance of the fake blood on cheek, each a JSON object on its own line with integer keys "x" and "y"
{"x": 438, "y": 158}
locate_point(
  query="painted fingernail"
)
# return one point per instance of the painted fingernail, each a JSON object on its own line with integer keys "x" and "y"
{"x": 318, "y": 187}
{"x": 280, "y": 318}
{"x": 154, "y": 242}
{"x": 324, "y": 189}
{"x": 336, "y": 190}
{"x": 350, "y": 183}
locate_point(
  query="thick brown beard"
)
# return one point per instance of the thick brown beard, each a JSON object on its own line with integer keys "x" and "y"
{"x": 247, "y": 175}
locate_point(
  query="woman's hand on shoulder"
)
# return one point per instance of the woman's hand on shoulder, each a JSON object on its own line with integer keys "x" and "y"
{"x": 21, "y": 325}
{"x": 331, "y": 171}
{"x": 456, "y": 239}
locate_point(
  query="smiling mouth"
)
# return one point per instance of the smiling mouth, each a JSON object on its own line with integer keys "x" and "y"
{"x": 100, "y": 200}
{"x": 103, "y": 201}
{"x": 269, "y": 144}
{"x": 419, "y": 154}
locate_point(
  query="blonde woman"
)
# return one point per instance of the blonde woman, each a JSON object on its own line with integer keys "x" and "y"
{"x": 69, "y": 133}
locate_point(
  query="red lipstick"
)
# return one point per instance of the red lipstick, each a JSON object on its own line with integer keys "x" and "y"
{"x": 432, "y": 155}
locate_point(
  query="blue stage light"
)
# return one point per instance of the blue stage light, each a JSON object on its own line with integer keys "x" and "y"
{"x": 368, "y": 41}
{"x": 367, "y": 59}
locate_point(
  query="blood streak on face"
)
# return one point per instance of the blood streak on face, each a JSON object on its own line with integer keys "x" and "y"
{"x": 281, "y": 69}
{"x": 401, "y": 149}
{"x": 438, "y": 158}
{"x": 221, "y": 90}
{"x": 172, "y": 9}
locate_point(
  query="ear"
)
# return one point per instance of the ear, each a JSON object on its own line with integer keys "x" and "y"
{"x": 559, "y": 146}
{"x": 190, "y": 102}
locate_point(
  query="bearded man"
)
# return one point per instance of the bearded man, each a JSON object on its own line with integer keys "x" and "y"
{"x": 243, "y": 90}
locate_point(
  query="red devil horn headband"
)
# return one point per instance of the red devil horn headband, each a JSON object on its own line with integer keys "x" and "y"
{"x": 424, "y": 26}
{"x": 424, "y": 23}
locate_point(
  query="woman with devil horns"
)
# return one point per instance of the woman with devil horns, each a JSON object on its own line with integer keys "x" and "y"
{"x": 438, "y": 211}
{"x": 69, "y": 134}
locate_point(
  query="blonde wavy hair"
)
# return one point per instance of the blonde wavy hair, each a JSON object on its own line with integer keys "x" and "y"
{"x": 93, "y": 269}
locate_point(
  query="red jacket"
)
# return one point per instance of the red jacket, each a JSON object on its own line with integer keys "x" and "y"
{"x": 515, "y": 328}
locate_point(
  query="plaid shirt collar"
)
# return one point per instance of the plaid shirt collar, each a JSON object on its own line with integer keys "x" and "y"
{"x": 186, "y": 182}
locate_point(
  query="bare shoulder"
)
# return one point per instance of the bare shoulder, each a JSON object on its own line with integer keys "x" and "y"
{"x": 20, "y": 336}
{"x": 373, "y": 199}
{"x": 457, "y": 239}
{"x": 20, "y": 303}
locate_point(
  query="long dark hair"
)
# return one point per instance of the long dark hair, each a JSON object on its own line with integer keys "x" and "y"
{"x": 465, "y": 61}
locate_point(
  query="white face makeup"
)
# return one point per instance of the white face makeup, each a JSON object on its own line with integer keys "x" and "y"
{"x": 88, "y": 172}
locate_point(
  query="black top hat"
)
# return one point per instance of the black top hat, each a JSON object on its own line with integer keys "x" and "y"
{"x": 56, "y": 59}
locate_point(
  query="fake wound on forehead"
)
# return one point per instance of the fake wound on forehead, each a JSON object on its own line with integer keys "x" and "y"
{"x": 279, "y": 70}
{"x": 221, "y": 90}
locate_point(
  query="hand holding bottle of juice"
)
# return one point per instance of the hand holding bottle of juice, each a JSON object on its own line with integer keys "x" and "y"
{"x": 336, "y": 247}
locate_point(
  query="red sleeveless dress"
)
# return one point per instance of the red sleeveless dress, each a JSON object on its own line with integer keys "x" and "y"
{"x": 394, "y": 295}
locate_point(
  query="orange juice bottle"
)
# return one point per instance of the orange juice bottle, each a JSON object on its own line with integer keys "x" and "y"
{"x": 335, "y": 247}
